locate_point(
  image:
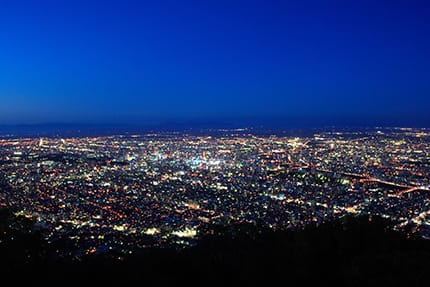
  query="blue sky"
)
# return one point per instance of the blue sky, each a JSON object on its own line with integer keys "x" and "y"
{"x": 128, "y": 61}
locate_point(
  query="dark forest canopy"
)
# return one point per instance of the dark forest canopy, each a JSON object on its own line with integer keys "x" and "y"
{"x": 350, "y": 251}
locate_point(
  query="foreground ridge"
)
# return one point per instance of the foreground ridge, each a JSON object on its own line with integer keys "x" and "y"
{"x": 350, "y": 251}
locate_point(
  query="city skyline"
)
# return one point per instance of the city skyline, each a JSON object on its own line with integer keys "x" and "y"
{"x": 130, "y": 62}
{"x": 102, "y": 193}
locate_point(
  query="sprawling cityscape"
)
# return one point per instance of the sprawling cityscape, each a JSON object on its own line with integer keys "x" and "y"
{"x": 127, "y": 192}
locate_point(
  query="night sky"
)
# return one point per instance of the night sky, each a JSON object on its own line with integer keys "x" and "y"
{"x": 132, "y": 61}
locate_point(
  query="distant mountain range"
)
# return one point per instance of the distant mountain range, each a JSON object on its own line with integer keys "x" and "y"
{"x": 258, "y": 125}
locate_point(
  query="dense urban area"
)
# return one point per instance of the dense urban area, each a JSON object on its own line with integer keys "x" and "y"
{"x": 126, "y": 192}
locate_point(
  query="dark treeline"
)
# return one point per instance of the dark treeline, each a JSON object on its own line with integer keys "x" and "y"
{"x": 350, "y": 251}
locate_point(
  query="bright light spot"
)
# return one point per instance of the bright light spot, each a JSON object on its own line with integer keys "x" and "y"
{"x": 185, "y": 233}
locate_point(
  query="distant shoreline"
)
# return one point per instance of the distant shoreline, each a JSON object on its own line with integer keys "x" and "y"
{"x": 85, "y": 130}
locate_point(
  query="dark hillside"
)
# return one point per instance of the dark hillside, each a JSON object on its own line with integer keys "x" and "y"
{"x": 351, "y": 252}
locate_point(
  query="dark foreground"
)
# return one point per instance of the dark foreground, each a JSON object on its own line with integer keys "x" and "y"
{"x": 351, "y": 252}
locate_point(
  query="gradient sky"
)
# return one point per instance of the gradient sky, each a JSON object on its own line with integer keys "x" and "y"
{"x": 119, "y": 61}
